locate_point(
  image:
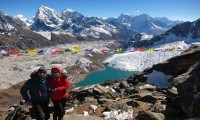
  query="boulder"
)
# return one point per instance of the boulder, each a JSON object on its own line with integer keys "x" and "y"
{"x": 148, "y": 115}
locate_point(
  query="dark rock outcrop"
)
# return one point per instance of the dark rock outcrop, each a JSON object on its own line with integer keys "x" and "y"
{"x": 185, "y": 69}
{"x": 174, "y": 66}
{"x": 188, "y": 87}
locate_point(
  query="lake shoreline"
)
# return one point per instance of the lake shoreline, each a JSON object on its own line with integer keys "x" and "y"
{"x": 77, "y": 74}
{"x": 101, "y": 76}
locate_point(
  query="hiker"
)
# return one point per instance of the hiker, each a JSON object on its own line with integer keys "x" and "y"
{"x": 58, "y": 85}
{"x": 35, "y": 92}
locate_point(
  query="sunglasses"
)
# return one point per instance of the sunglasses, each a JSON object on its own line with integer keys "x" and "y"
{"x": 54, "y": 72}
{"x": 42, "y": 72}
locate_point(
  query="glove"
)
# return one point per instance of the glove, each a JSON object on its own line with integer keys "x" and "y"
{"x": 52, "y": 89}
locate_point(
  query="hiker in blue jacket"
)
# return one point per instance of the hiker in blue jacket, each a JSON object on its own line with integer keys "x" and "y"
{"x": 35, "y": 93}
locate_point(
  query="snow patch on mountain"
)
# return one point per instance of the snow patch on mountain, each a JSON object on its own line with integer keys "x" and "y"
{"x": 154, "y": 26}
{"x": 146, "y": 36}
{"x": 83, "y": 34}
{"x": 92, "y": 34}
{"x": 45, "y": 34}
{"x": 70, "y": 10}
{"x": 64, "y": 32}
{"x": 178, "y": 44}
{"x": 27, "y": 21}
{"x": 172, "y": 38}
{"x": 101, "y": 30}
{"x": 9, "y": 27}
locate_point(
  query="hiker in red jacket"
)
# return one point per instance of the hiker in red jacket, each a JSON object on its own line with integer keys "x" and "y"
{"x": 58, "y": 87}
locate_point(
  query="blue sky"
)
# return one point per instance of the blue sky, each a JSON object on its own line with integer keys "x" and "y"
{"x": 187, "y": 10}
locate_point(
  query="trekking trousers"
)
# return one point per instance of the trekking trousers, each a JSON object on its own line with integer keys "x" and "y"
{"x": 59, "y": 108}
{"x": 41, "y": 110}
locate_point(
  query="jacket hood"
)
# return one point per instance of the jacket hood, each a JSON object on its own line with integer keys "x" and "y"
{"x": 34, "y": 75}
{"x": 56, "y": 68}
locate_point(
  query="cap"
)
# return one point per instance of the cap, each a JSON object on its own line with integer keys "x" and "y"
{"x": 42, "y": 69}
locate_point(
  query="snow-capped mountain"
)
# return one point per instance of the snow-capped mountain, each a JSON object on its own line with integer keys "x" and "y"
{"x": 71, "y": 15}
{"x": 125, "y": 19}
{"x": 27, "y": 21}
{"x": 168, "y": 22}
{"x": 145, "y": 23}
{"x": 71, "y": 21}
{"x": 70, "y": 25}
{"x": 188, "y": 32}
{"x": 46, "y": 19}
{"x": 7, "y": 22}
{"x": 15, "y": 34}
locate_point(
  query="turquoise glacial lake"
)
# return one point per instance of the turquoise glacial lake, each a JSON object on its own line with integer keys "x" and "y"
{"x": 108, "y": 73}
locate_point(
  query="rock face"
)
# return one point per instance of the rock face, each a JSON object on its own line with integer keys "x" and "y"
{"x": 185, "y": 82}
{"x": 188, "y": 87}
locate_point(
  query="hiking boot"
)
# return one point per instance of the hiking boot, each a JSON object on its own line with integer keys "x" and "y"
{"x": 60, "y": 118}
{"x": 55, "y": 117}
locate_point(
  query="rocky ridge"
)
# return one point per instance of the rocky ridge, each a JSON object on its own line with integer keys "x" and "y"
{"x": 187, "y": 32}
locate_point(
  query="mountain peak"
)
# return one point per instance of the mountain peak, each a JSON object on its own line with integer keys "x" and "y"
{"x": 68, "y": 10}
{"x": 197, "y": 20}
{"x": 1, "y": 12}
{"x": 125, "y": 15}
{"x": 45, "y": 12}
{"x": 44, "y": 8}
{"x": 144, "y": 16}
{"x": 69, "y": 13}
{"x": 46, "y": 18}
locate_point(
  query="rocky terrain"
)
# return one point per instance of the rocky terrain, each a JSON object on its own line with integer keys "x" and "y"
{"x": 117, "y": 99}
{"x": 15, "y": 70}
{"x": 134, "y": 98}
